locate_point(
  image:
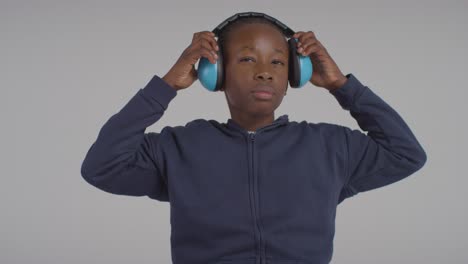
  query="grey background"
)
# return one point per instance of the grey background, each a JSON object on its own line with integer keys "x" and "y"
{"x": 67, "y": 66}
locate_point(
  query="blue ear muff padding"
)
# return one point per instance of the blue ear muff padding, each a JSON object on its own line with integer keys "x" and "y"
{"x": 300, "y": 70}
{"x": 209, "y": 74}
{"x": 306, "y": 69}
{"x": 300, "y": 67}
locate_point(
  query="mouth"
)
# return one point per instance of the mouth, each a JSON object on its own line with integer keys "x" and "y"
{"x": 263, "y": 92}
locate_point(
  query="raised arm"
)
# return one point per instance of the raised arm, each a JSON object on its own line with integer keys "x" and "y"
{"x": 123, "y": 158}
{"x": 388, "y": 153}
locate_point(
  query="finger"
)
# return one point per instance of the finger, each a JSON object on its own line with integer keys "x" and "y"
{"x": 303, "y": 36}
{"x": 209, "y": 54}
{"x": 204, "y": 43}
{"x": 298, "y": 34}
{"x": 304, "y": 48}
{"x": 197, "y": 35}
{"x": 313, "y": 49}
{"x": 308, "y": 42}
{"x": 308, "y": 38}
{"x": 194, "y": 54}
{"x": 214, "y": 53}
{"x": 209, "y": 40}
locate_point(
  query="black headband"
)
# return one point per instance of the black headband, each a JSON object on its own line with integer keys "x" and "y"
{"x": 285, "y": 29}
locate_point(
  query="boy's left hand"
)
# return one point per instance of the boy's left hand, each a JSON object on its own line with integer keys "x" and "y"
{"x": 326, "y": 73}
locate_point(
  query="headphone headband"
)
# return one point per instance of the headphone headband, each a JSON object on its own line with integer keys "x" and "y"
{"x": 285, "y": 29}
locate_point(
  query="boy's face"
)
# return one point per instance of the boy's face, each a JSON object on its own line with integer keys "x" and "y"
{"x": 246, "y": 68}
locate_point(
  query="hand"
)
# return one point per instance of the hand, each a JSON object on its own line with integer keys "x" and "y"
{"x": 326, "y": 73}
{"x": 183, "y": 73}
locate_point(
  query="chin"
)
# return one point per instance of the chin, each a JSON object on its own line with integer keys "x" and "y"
{"x": 262, "y": 111}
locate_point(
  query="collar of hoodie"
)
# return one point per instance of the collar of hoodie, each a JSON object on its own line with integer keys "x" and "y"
{"x": 282, "y": 120}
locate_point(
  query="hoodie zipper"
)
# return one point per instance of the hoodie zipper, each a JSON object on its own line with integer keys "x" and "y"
{"x": 255, "y": 208}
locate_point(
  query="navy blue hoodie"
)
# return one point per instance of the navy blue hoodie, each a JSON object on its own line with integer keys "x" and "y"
{"x": 251, "y": 198}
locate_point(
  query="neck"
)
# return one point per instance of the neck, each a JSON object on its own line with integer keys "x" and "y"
{"x": 251, "y": 122}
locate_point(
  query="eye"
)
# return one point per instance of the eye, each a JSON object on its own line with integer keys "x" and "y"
{"x": 250, "y": 58}
{"x": 279, "y": 62}
{"x": 245, "y": 58}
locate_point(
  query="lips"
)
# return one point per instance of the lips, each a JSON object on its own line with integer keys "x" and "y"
{"x": 263, "y": 92}
{"x": 263, "y": 88}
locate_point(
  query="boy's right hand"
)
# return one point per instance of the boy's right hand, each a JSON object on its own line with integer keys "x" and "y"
{"x": 183, "y": 73}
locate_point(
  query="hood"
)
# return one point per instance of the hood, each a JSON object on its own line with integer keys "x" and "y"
{"x": 282, "y": 120}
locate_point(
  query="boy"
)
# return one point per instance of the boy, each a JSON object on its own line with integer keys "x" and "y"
{"x": 255, "y": 189}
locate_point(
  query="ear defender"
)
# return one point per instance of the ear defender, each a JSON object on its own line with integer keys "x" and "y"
{"x": 209, "y": 74}
{"x": 300, "y": 68}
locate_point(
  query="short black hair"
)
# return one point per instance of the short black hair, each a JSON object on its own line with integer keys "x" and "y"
{"x": 224, "y": 34}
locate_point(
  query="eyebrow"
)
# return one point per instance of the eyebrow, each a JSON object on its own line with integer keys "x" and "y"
{"x": 251, "y": 48}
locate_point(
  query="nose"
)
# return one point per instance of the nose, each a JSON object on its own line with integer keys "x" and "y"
{"x": 263, "y": 71}
{"x": 263, "y": 76}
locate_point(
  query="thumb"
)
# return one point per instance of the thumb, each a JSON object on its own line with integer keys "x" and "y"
{"x": 194, "y": 72}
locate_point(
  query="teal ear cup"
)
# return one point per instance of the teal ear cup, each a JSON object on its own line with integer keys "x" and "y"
{"x": 208, "y": 73}
{"x": 300, "y": 67}
{"x": 306, "y": 70}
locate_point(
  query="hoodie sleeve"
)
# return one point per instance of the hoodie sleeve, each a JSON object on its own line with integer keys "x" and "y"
{"x": 123, "y": 158}
{"x": 388, "y": 153}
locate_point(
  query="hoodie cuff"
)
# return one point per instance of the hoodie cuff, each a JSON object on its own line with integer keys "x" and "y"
{"x": 160, "y": 91}
{"x": 347, "y": 94}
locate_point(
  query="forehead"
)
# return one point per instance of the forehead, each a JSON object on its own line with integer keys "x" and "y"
{"x": 257, "y": 36}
